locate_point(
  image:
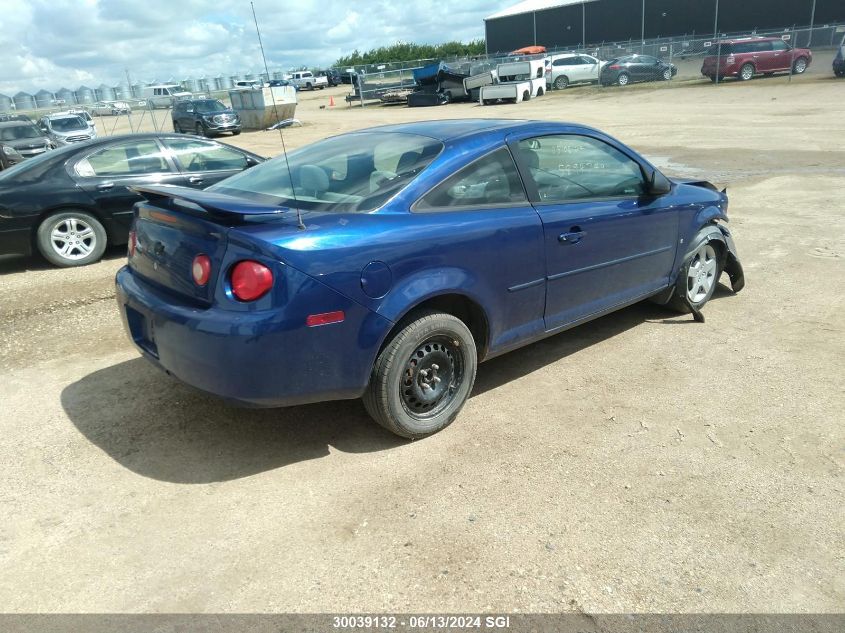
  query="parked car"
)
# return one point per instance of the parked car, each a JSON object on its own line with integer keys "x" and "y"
{"x": 277, "y": 83}
{"x": 205, "y": 117}
{"x": 70, "y": 203}
{"x": 636, "y": 68}
{"x": 306, "y": 80}
{"x": 9, "y": 156}
{"x": 572, "y": 68}
{"x": 110, "y": 108}
{"x": 64, "y": 128}
{"x": 24, "y": 136}
{"x": 252, "y": 84}
{"x": 332, "y": 76}
{"x": 422, "y": 249}
{"x": 746, "y": 57}
{"x": 839, "y": 60}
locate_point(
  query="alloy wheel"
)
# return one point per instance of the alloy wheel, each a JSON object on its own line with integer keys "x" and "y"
{"x": 701, "y": 274}
{"x": 73, "y": 238}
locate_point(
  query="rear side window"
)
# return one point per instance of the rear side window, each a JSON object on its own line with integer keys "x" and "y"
{"x": 203, "y": 156}
{"x": 489, "y": 181}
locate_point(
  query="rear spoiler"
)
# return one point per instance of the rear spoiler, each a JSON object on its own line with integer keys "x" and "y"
{"x": 210, "y": 203}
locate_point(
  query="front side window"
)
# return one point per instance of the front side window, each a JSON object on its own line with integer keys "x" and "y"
{"x": 353, "y": 172}
{"x": 204, "y": 156}
{"x": 780, "y": 45}
{"x": 489, "y": 181}
{"x": 124, "y": 159}
{"x": 570, "y": 167}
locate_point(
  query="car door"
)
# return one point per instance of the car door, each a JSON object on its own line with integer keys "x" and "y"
{"x": 606, "y": 241}
{"x": 205, "y": 162}
{"x": 763, "y": 56}
{"x": 780, "y": 56}
{"x": 106, "y": 173}
{"x": 590, "y": 68}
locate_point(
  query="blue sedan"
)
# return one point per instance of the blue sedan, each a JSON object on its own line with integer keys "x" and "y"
{"x": 386, "y": 264}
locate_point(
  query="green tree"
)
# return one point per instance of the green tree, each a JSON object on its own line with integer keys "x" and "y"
{"x": 407, "y": 51}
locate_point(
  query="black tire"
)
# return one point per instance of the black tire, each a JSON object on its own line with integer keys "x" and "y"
{"x": 400, "y": 396}
{"x": 561, "y": 83}
{"x": 235, "y": 132}
{"x": 199, "y": 130}
{"x": 176, "y": 128}
{"x": 667, "y": 74}
{"x": 623, "y": 79}
{"x": 540, "y": 92}
{"x": 526, "y": 95}
{"x": 799, "y": 66}
{"x": 679, "y": 302}
{"x": 746, "y": 73}
{"x": 309, "y": 86}
{"x": 839, "y": 73}
{"x": 84, "y": 238}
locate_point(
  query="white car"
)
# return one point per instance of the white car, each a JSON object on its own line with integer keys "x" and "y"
{"x": 64, "y": 128}
{"x": 572, "y": 68}
{"x": 108, "y": 108}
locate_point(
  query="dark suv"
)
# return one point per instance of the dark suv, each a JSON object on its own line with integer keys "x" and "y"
{"x": 332, "y": 75}
{"x": 746, "y": 57}
{"x": 839, "y": 60}
{"x": 205, "y": 117}
{"x": 24, "y": 136}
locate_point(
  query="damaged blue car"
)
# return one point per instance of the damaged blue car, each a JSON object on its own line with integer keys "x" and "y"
{"x": 386, "y": 264}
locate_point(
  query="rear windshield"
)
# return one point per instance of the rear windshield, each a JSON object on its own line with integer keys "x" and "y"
{"x": 18, "y": 132}
{"x": 354, "y": 172}
{"x": 204, "y": 107}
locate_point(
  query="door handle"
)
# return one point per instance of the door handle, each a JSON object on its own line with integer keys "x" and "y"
{"x": 574, "y": 236}
{"x": 195, "y": 180}
{"x": 105, "y": 186}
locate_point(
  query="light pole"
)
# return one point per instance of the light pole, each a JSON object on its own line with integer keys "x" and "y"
{"x": 642, "y": 31}
{"x": 812, "y": 24}
{"x": 716, "y": 22}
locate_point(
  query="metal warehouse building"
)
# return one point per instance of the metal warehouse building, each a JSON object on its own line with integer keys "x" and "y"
{"x": 568, "y": 23}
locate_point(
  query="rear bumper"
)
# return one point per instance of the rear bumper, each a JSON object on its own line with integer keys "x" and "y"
{"x": 263, "y": 358}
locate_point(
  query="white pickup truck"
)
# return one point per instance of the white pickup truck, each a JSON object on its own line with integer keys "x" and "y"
{"x": 305, "y": 80}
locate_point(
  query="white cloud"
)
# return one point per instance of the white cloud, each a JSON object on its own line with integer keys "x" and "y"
{"x": 55, "y": 43}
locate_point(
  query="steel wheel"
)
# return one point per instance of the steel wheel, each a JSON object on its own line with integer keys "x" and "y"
{"x": 623, "y": 79}
{"x": 746, "y": 72}
{"x": 432, "y": 376}
{"x": 702, "y": 274}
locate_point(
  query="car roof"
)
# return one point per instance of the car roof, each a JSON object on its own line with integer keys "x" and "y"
{"x": 451, "y": 129}
{"x": 15, "y": 123}
{"x": 739, "y": 40}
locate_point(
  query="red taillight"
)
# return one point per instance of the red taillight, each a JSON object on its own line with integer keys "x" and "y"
{"x": 251, "y": 280}
{"x": 133, "y": 242}
{"x": 201, "y": 269}
{"x": 325, "y": 318}
{"x": 615, "y": 67}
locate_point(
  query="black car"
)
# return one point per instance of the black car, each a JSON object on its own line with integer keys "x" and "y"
{"x": 635, "y": 68}
{"x": 23, "y": 135}
{"x": 205, "y": 117}
{"x": 70, "y": 203}
{"x": 332, "y": 75}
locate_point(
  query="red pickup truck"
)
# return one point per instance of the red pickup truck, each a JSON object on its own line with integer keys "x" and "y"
{"x": 746, "y": 57}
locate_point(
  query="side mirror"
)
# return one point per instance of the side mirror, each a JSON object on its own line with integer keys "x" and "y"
{"x": 658, "y": 184}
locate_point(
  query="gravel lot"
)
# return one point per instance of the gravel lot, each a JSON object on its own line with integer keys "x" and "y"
{"x": 627, "y": 465}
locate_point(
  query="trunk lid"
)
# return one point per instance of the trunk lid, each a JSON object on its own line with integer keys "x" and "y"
{"x": 174, "y": 225}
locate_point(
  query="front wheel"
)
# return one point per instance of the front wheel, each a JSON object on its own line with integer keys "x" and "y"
{"x": 667, "y": 74}
{"x": 423, "y": 376}
{"x": 746, "y": 72}
{"x": 698, "y": 278}
{"x": 799, "y": 66}
{"x": 199, "y": 130}
{"x": 71, "y": 238}
{"x": 177, "y": 128}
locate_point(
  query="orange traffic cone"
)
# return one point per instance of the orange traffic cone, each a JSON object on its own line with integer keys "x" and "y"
{"x": 331, "y": 101}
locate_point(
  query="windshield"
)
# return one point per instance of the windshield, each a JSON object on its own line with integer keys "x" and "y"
{"x": 18, "y": 132}
{"x": 68, "y": 124}
{"x": 204, "y": 107}
{"x": 353, "y": 172}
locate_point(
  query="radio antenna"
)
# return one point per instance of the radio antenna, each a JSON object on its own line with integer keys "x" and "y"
{"x": 276, "y": 116}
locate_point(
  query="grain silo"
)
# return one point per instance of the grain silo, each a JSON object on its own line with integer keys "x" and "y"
{"x": 104, "y": 93}
{"x": 84, "y": 94}
{"x": 122, "y": 91}
{"x": 68, "y": 96}
{"x": 223, "y": 82}
{"x": 44, "y": 99}
{"x": 24, "y": 101}
{"x": 6, "y": 103}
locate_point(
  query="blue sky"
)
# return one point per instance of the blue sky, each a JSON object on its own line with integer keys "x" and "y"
{"x": 65, "y": 43}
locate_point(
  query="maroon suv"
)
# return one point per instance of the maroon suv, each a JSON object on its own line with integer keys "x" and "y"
{"x": 746, "y": 57}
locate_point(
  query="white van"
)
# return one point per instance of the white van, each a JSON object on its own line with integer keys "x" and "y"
{"x": 163, "y": 95}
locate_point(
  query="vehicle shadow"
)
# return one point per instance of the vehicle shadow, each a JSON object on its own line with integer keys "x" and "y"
{"x": 22, "y": 263}
{"x": 159, "y": 428}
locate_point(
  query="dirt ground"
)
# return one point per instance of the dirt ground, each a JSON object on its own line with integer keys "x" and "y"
{"x": 627, "y": 465}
